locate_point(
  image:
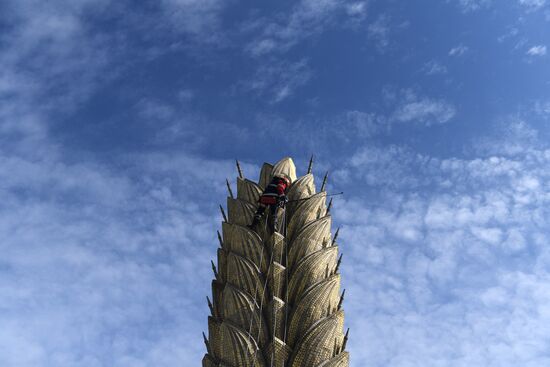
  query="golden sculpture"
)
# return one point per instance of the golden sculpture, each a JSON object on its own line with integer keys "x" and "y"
{"x": 276, "y": 296}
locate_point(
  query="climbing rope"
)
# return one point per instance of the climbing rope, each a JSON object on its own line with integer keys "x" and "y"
{"x": 284, "y": 227}
{"x": 286, "y": 284}
{"x": 262, "y": 295}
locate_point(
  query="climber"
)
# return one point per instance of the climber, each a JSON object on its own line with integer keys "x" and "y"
{"x": 273, "y": 196}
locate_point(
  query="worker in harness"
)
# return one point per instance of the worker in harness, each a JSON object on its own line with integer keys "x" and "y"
{"x": 273, "y": 196}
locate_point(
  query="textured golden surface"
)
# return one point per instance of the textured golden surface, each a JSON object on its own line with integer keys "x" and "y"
{"x": 276, "y": 297}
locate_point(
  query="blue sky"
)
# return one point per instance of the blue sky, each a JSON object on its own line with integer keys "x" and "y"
{"x": 119, "y": 122}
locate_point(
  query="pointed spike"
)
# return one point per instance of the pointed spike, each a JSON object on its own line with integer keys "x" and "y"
{"x": 338, "y": 263}
{"x": 335, "y": 236}
{"x": 239, "y": 168}
{"x": 329, "y": 205}
{"x": 210, "y": 306}
{"x": 214, "y": 269}
{"x": 206, "y": 343}
{"x": 220, "y": 239}
{"x": 310, "y": 167}
{"x": 345, "y": 340}
{"x": 324, "y": 182}
{"x": 229, "y": 188}
{"x": 341, "y": 300}
{"x": 223, "y": 214}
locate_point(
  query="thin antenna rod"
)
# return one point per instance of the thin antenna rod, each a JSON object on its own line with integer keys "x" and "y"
{"x": 309, "y": 197}
{"x": 324, "y": 182}
{"x": 310, "y": 167}
{"x": 239, "y": 169}
{"x": 223, "y": 214}
{"x": 229, "y": 188}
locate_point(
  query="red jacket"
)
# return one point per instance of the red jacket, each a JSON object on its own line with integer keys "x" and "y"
{"x": 274, "y": 191}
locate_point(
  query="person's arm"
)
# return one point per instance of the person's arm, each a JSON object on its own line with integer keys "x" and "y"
{"x": 281, "y": 191}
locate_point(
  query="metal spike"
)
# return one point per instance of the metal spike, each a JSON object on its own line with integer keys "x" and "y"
{"x": 329, "y": 206}
{"x": 335, "y": 236}
{"x": 229, "y": 188}
{"x": 324, "y": 184}
{"x": 345, "y": 340}
{"x": 210, "y": 306}
{"x": 220, "y": 239}
{"x": 338, "y": 263}
{"x": 239, "y": 169}
{"x": 214, "y": 269}
{"x": 223, "y": 214}
{"x": 206, "y": 343}
{"x": 341, "y": 300}
{"x": 310, "y": 167}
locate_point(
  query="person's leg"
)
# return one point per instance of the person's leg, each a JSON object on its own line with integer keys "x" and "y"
{"x": 274, "y": 218}
{"x": 258, "y": 216}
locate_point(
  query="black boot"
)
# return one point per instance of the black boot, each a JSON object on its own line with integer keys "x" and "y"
{"x": 255, "y": 222}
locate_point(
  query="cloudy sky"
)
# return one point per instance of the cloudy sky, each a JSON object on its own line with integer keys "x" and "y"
{"x": 119, "y": 122}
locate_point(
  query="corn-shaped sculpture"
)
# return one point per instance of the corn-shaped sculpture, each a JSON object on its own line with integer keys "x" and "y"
{"x": 276, "y": 296}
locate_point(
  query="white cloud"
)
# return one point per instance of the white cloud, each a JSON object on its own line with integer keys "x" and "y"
{"x": 379, "y": 31}
{"x": 458, "y": 50}
{"x": 408, "y": 105}
{"x": 472, "y": 5}
{"x": 542, "y": 108}
{"x": 279, "y": 80}
{"x": 93, "y": 254}
{"x": 196, "y": 17}
{"x": 450, "y": 268}
{"x": 433, "y": 67}
{"x": 488, "y": 234}
{"x": 99, "y": 254}
{"x": 515, "y": 240}
{"x": 513, "y": 137}
{"x": 533, "y": 4}
{"x": 512, "y": 33}
{"x": 412, "y": 107}
{"x": 357, "y": 9}
{"x": 306, "y": 19}
{"x": 539, "y": 50}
